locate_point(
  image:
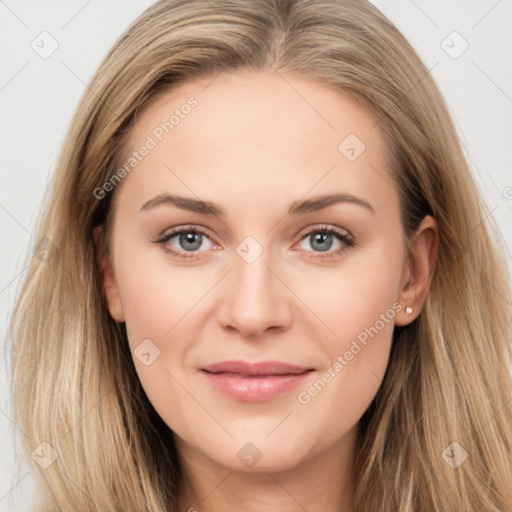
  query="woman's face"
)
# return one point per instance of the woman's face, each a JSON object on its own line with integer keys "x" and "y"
{"x": 259, "y": 277}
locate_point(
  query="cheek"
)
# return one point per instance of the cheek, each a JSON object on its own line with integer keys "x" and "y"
{"x": 358, "y": 304}
{"x": 350, "y": 299}
{"x": 158, "y": 301}
{"x": 156, "y": 295}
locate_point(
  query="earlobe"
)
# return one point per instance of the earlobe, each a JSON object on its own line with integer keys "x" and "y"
{"x": 107, "y": 276}
{"x": 419, "y": 270}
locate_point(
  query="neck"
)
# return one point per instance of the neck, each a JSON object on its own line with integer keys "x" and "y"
{"x": 321, "y": 482}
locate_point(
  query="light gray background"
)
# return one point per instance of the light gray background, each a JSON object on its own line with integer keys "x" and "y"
{"x": 38, "y": 97}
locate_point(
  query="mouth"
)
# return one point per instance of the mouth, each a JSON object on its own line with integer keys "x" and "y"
{"x": 255, "y": 382}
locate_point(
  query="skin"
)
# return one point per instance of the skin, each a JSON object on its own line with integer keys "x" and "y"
{"x": 253, "y": 145}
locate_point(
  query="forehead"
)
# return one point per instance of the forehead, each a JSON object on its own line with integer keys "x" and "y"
{"x": 255, "y": 131}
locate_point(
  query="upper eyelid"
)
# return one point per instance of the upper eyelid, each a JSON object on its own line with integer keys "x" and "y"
{"x": 325, "y": 227}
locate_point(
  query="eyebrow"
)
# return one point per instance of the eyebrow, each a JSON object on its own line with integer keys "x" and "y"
{"x": 296, "y": 208}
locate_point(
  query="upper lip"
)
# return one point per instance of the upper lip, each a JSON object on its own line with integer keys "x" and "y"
{"x": 261, "y": 368}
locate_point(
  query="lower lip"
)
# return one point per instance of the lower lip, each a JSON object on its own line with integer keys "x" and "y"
{"x": 254, "y": 389}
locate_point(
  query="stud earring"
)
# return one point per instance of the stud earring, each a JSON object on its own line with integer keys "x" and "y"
{"x": 408, "y": 310}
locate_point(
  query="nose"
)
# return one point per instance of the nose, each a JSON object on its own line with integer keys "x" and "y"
{"x": 255, "y": 299}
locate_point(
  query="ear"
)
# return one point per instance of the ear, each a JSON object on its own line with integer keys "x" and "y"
{"x": 107, "y": 276}
{"x": 418, "y": 270}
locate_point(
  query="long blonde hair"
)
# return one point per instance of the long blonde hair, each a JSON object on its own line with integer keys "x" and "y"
{"x": 448, "y": 380}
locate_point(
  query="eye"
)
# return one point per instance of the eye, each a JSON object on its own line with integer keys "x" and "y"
{"x": 323, "y": 238}
{"x": 185, "y": 240}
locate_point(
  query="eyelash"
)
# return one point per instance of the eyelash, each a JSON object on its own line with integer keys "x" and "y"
{"x": 345, "y": 238}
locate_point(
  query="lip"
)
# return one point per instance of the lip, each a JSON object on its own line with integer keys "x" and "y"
{"x": 254, "y": 382}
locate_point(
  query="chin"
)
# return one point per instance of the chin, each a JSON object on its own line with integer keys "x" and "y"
{"x": 260, "y": 454}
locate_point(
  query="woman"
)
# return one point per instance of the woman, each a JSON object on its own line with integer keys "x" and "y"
{"x": 336, "y": 336}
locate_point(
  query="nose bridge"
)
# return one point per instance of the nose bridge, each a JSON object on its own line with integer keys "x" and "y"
{"x": 255, "y": 300}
